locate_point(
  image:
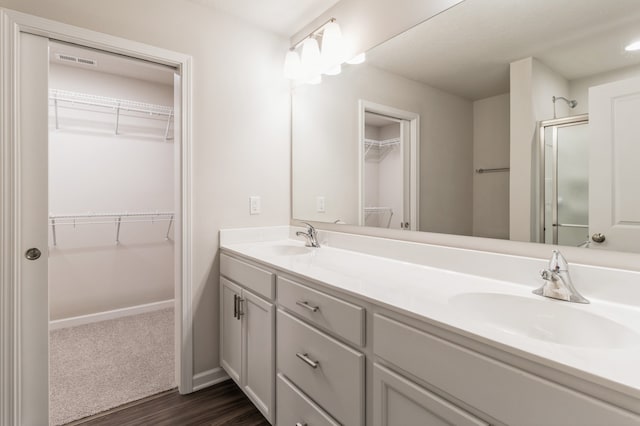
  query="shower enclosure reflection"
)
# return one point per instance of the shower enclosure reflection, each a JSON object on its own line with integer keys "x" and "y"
{"x": 565, "y": 149}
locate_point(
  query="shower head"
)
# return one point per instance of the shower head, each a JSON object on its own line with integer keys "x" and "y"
{"x": 571, "y": 102}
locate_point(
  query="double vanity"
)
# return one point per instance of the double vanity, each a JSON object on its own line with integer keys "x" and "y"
{"x": 368, "y": 331}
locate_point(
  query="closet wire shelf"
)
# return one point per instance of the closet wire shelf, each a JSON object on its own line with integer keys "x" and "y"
{"x": 378, "y": 150}
{"x": 368, "y": 211}
{"x": 109, "y": 218}
{"x": 117, "y": 105}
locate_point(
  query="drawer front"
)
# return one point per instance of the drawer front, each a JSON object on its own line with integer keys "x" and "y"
{"x": 504, "y": 392}
{"x": 329, "y": 372}
{"x": 295, "y": 408}
{"x": 337, "y": 316}
{"x": 399, "y": 401}
{"x": 255, "y": 279}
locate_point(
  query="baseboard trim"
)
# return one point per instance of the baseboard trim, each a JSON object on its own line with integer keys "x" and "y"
{"x": 209, "y": 378}
{"x": 107, "y": 315}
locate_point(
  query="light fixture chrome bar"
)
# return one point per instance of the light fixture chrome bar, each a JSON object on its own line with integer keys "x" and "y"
{"x": 312, "y": 33}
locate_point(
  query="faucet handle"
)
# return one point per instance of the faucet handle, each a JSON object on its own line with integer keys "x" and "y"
{"x": 558, "y": 262}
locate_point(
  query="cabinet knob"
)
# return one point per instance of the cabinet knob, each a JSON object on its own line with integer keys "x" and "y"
{"x": 598, "y": 237}
{"x": 300, "y": 424}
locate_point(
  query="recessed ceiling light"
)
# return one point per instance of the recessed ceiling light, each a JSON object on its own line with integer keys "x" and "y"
{"x": 633, "y": 46}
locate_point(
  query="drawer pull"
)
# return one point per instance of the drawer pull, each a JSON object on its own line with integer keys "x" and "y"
{"x": 306, "y": 305}
{"x": 240, "y": 309}
{"x": 311, "y": 363}
{"x": 235, "y": 306}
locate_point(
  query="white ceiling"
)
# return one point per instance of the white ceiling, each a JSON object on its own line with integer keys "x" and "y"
{"x": 467, "y": 49}
{"x": 284, "y": 17}
{"x": 112, "y": 64}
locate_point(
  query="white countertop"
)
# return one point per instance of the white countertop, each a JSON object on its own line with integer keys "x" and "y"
{"x": 438, "y": 296}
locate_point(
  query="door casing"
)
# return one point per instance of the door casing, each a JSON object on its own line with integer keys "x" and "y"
{"x": 12, "y": 24}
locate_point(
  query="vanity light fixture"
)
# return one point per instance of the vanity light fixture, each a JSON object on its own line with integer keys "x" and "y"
{"x": 358, "y": 59}
{"x": 315, "y": 59}
{"x": 633, "y": 46}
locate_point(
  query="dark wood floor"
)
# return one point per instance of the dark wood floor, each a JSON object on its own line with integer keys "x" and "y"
{"x": 222, "y": 404}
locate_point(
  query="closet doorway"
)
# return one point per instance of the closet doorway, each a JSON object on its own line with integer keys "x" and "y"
{"x": 388, "y": 147}
{"x": 24, "y": 218}
{"x": 111, "y": 235}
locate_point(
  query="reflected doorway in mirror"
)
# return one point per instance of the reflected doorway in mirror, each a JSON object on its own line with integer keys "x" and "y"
{"x": 388, "y": 153}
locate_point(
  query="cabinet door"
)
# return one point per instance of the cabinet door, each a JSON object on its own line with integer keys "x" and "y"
{"x": 258, "y": 381}
{"x": 230, "y": 329}
{"x": 398, "y": 401}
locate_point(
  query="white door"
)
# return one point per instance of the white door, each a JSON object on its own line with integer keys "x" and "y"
{"x": 614, "y": 198}
{"x": 34, "y": 296}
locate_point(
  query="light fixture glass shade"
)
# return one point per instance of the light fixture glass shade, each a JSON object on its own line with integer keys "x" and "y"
{"x": 633, "y": 46}
{"x": 311, "y": 61}
{"x": 292, "y": 65}
{"x": 358, "y": 59}
{"x": 334, "y": 70}
{"x": 332, "y": 47}
{"x": 316, "y": 79}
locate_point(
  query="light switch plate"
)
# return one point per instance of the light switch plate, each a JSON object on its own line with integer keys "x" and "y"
{"x": 254, "y": 204}
{"x": 320, "y": 204}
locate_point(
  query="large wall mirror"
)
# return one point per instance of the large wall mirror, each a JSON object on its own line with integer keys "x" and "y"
{"x": 508, "y": 119}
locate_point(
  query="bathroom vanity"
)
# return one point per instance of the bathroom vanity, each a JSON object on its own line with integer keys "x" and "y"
{"x": 367, "y": 331}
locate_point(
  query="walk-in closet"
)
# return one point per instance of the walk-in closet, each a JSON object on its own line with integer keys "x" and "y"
{"x": 383, "y": 172}
{"x": 112, "y": 218}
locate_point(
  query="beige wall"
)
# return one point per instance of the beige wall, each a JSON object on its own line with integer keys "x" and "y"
{"x": 325, "y": 152}
{"x": 93, "y": 170}
{"x": 533, "y": 84}
{"x": 491, "y": 150}
{"x": 240, "y": 123}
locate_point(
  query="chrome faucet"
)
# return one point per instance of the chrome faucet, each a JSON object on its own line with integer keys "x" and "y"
{"x": 557, "y": 281}
{"x": 311, "y": 235}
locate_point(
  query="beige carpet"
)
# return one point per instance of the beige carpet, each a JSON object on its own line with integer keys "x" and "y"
{"x": 95, "y": 367}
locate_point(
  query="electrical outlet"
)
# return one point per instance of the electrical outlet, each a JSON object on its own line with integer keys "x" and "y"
{"x": 254, "y": 204}
{"x": 320, "y": 205}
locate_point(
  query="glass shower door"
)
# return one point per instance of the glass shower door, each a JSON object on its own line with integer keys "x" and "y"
{"x": 566, "y": 183}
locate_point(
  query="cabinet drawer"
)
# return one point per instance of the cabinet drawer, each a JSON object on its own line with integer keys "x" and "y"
{"x": 504, "y": 392}
{"x": 255, "y": 279}
{"x": 329, "y": 372}
{"x": 295, "y": 408}
{"x": 399, "y": 401}
{"x": 337, "y": 316}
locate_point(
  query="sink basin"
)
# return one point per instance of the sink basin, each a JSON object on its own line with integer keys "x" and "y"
{"x": 289, "y": 250}
{"x": 547, "y": 320}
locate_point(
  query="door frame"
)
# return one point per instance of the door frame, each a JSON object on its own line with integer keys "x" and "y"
{"x": 365, "y": 106}
{"x": 12, "y": 23}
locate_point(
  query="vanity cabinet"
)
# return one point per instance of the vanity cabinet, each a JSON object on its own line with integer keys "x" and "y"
{"x": 343, "y": 359}
{"x": 502, "y": 392}
{"x": 399, "y": 401}
{"x": 247, "y": 325}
